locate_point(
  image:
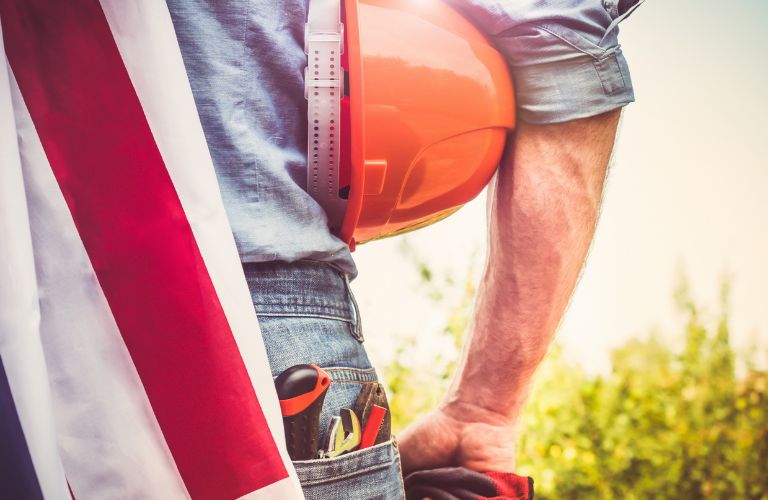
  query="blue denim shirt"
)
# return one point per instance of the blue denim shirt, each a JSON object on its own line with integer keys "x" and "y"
{"x": 245, "y": 60}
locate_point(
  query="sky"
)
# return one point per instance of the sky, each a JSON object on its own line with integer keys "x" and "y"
{"x": 687, "y": 193}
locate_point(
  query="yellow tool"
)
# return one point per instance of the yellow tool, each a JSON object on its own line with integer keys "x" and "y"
{"x": 344, "y": 434}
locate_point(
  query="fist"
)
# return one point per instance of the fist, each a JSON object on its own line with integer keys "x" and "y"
{"x": 459, "y": 436}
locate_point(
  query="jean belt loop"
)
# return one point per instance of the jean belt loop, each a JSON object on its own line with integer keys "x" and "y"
{"x": 357, "y": 325}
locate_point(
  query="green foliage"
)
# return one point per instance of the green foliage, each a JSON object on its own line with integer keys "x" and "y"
{"x": 660, "y": 425}
{"x": 663, "y": 424}
{"x": 418, "y": 386}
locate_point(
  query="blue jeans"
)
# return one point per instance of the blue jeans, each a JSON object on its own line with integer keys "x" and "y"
{"x": 307, "y": 314}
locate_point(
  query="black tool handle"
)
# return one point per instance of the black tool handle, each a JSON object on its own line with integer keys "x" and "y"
{"x": 301, "y": 432}
{"x": 302, "y": 390}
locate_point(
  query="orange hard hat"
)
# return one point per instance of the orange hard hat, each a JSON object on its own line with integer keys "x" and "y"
{"x": 421, "y": 126}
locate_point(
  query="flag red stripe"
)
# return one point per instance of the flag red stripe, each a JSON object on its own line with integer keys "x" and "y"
{"x": 140, "y": 243}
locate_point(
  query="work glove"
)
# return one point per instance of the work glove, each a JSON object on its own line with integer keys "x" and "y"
{"x": 460, "y": 483}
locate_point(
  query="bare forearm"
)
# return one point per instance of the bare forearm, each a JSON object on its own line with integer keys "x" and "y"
{"x": 542, "y": 214}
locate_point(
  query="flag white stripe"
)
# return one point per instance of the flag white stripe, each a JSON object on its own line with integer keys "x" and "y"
{"x": 20, "y": 346}
{"x": 109, "y": 439}
{"x": 147, "y": 42}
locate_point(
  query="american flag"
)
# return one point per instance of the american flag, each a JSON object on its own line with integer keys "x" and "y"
{"x": 131, "y": 362}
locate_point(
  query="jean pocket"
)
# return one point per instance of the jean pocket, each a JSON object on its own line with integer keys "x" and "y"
{"x": 372, "y": 473}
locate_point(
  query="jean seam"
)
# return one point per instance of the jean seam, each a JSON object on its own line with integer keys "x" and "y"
{"x": 362, "y": 371}
{"x": 357, "y": 472}
{"x": 345, "y": 381}
{"x": 356, "y": 375}
{"x": 399, "y": 468}
{"x": 303, "y": 315}
{"x": 296, "y": 308}
{"x": 357, "y": 326}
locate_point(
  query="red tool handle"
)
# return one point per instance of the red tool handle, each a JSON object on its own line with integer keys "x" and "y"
{"x": 372, "y": 426}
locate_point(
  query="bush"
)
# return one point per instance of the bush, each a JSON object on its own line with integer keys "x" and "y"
{"x": 663, "y": 424}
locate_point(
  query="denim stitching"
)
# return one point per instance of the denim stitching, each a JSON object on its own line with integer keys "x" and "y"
{"x": 381, "y": 447}
{"x": 354, "y": 473}
{"x": 399, "y": 469}
{"x": 303, "y": 315}
{"x": 358, "y": 324}
{"x": 299, "y": 307}
{"x": 349, "y": 369}
{"x": 351, "y": 375}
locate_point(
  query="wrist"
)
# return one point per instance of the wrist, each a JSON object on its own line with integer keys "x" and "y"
{"x": 489, "y": 388}
{"x": 470, "y": 411}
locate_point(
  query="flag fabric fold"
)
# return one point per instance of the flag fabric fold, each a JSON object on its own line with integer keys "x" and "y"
{"x": 29, "y": 462}
{"x": 131, "y": 350}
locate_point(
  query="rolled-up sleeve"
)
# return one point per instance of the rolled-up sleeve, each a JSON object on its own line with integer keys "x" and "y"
{"x": 564, "y": 55}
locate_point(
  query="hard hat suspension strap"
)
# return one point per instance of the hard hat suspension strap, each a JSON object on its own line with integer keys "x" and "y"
{"x": 324, "y": 89}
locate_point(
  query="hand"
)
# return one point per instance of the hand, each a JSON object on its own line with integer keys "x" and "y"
{"x": 461, "y": 435}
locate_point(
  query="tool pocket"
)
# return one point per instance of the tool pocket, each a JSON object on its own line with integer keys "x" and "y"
{"x": 370, "y": 473}
{"x": 322, "y": 336}
{"x": 373, "y": 472}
